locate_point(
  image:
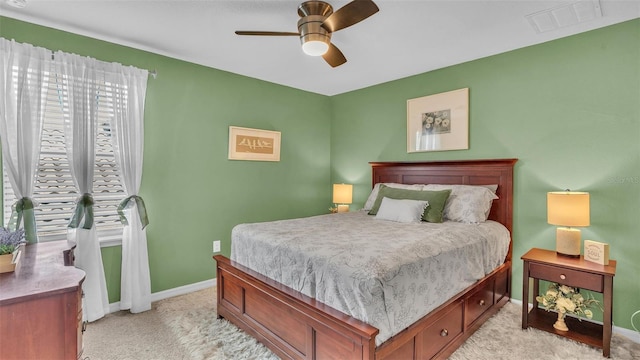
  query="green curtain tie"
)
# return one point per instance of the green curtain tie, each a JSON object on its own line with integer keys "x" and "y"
{"x": 84, "y": 210}
{"x": 142, "y": 210}
{"x": 17, "y": 210}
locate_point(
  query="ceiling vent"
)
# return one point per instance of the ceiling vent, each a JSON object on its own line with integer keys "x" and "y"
{"x": 565, "y": 15}
{"x": 17, "y": 3}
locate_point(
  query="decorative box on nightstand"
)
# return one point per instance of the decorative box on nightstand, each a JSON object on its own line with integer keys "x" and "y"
{"x": 540, "y": 264}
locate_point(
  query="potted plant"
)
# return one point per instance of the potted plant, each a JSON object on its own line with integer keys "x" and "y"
{"x": 10, "y": 242}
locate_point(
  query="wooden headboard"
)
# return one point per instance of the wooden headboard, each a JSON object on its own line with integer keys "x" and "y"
{"x": 467, "y": 172}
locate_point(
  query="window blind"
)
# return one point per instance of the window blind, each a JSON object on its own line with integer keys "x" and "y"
{"x": 54, "y": 190}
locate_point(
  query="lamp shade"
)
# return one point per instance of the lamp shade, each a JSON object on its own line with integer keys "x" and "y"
{"x": 568, "y": 208}
{"x": 342, "y": 193}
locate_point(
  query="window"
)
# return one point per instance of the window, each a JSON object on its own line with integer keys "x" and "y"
{"x": 54, "y": 191}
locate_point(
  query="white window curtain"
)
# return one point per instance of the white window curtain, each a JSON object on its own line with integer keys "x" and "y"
{"x": 85, "y": 88}
{"x": 128, "y": 136}
{"x": 78, "y": 79}
{"x": 23, "y": 80}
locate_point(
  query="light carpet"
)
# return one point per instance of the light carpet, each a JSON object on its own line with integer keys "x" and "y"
{"x": 186, "y": 328}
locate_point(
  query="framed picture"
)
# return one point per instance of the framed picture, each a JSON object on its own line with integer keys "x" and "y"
{"x": 438, "y": 122}
{"x": 253, "y": 144}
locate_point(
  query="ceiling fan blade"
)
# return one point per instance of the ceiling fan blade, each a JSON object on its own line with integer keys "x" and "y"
{"x": 350, "y": 14}
{"x": 334, "y": 56}
{"x": 267, "y": 33}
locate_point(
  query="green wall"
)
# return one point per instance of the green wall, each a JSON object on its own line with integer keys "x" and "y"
{"x": 194, "y": 194}
{"x": 569, "y": 110}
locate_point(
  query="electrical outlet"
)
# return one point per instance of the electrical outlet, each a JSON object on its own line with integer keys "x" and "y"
{"x": 216, "y": 246}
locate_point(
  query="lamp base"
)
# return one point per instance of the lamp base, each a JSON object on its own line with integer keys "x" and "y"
{"x": 568, "y": 255}
{"x": 343, "y": 208}
{"x": 568, "y": 242}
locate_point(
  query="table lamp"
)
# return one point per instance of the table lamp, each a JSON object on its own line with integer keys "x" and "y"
{"x": 342, "y": 196}
{"x": 568, "y": 209}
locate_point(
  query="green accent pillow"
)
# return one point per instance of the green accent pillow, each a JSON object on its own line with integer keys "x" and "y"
{"x": 436, "y": 199}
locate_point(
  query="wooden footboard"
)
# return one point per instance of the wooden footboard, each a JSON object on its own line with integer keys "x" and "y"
{"x": 295, "y": 326}
{"x": 292, "y": 325}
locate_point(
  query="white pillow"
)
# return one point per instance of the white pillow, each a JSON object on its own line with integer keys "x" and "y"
{"x": 467, "y": 203}
{"x": 374, "y": 193}
{"x": 401, "y": 210}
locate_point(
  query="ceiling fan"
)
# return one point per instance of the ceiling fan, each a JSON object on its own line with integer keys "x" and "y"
{"x": 318, "y": 21}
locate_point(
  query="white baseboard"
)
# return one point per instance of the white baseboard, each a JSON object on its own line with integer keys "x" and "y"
{"x": 165, "y": 294}
{"x": 629, "y": 334}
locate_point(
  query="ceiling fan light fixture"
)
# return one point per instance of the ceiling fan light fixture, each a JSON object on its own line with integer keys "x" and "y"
{"x": 315, "y": 47}
{"x": 314, "y": 38}
{"x": 318, "y": 21}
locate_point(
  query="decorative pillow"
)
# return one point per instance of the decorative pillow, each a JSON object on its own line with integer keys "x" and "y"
{"x": 403, "y": 210}
{"x": 374, "y": 193}
{"x": 493, "y": 187}
{"x": 467, "y": 203}
{"x": 436, "y": 199}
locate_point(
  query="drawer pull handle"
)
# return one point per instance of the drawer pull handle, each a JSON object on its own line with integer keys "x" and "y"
{"x": 563, "y": 276}
{"x": 444, "y": 332}
{"x": 481, "y": 302}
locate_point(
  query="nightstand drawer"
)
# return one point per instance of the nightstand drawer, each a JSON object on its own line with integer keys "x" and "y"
{"x": 568, "y": 277}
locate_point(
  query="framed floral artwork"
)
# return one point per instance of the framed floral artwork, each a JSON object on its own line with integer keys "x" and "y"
{"x": 438, "y": 122}
{"x": 253, "y": 144}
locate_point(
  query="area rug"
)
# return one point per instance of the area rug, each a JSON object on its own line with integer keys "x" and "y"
{"x": 193, "y": 320}
{"x": 502, "y": 337}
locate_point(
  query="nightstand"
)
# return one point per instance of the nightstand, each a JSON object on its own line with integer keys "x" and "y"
{"x": 541, "y": 264}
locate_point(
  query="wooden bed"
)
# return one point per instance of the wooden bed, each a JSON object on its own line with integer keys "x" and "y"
{"x": 295, "y": 326}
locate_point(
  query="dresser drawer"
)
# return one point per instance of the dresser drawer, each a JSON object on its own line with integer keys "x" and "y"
{"x": 574, "y": 278}
{"x": 79, "y": 332}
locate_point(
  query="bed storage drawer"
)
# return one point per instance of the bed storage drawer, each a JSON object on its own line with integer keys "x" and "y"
{"x": 502, "y": 285}
{"x": 476, "y": 304}
{"x": 444, "y": 330}
{"x": 594, "y": 282}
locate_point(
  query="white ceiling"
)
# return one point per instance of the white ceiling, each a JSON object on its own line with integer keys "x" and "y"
{"x": 404, "y": 38}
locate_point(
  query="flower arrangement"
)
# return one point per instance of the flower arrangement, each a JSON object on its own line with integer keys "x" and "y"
{"x": 10, "y": 240}
{"x": 567, "y": 300}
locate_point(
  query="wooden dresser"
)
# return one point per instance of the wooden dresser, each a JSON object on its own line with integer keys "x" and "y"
{"x": 41, "y": 305}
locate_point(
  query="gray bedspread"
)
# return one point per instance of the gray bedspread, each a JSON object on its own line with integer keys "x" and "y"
{"x": 384, "y": 273}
